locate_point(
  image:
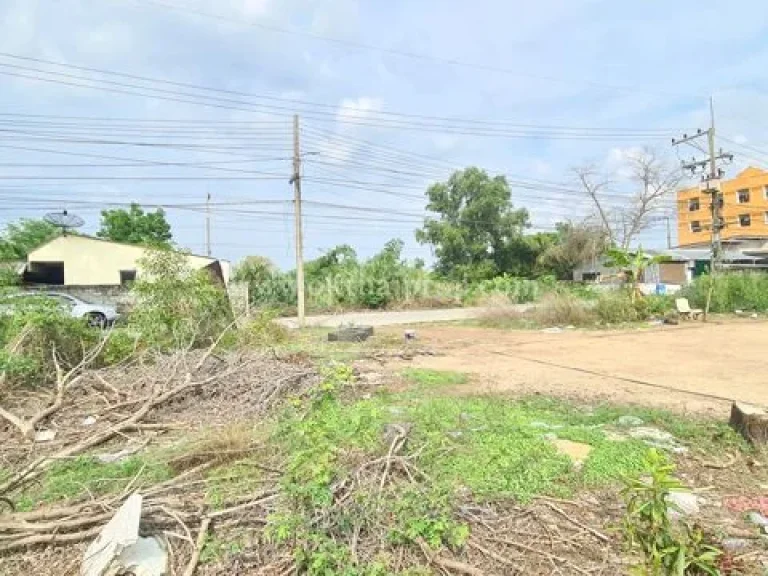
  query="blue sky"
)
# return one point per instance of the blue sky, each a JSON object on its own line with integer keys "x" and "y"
{"x": 619, "y": 76}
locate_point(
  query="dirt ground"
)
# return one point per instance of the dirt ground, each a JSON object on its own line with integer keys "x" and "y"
{"x": 693, "y": 367}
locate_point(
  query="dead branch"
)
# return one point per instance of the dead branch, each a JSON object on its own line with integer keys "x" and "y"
{"x": 546, "y": 555}
{"x": 491, "y": 554}
{"x": 64, "y": 381}
{"x": 200, "y": 544}
{"x": 447, "y": 564}
{"x": 55, "y": 538}
{"x": 397, "y": 443}
{"x": 595, "y": 533}
{"x": 34, "y": 469}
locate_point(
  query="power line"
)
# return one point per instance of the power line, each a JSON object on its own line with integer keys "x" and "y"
{"x": 404, "y": 53}
{"x": 539, "y": 133}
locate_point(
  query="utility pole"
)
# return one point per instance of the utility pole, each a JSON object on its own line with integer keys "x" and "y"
{"x": 296, "y": 181}
{"x": 710, "y": 181}
{"x": 710, "y": 184}
{"x": 208, "y": 223}
{"x": 669, "y": 233}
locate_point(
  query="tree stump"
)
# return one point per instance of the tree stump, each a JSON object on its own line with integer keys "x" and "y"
{"x": 750, "y": 421}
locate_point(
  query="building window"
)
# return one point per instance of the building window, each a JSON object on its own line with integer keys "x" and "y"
{"x": 695, "y": 226}
{"x": 693, "y": 205}
{"x": 765, "y": 192}
{"x": 127, "y": 277}
{"x": 745, "y": 220}
{"x": 766, "y": 217}
{"x": 743, "y": 196}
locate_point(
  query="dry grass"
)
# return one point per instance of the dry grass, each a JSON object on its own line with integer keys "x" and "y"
{"x": 563, "y": 310}
{"x": 219, "y": 445}
{"x": 552, "y": 310}
{"x": 500, "y": 313}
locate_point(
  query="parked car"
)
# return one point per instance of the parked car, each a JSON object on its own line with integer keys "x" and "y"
{"x": 100, "y": 315}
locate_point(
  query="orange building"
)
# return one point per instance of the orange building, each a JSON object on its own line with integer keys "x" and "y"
{"x": 744, "y": 207}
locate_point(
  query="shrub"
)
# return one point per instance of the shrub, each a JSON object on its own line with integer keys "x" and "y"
{"x": 563, "y": 310}
{"x": 666, "y": 549}
{"x": 616, "y": 307}
{"x": 732, "y": 291}
{"x": 175, "y": 305}
{"x": 122, "y": 344}
{"x": 261, "y": 330}
{"x": 30, "y": 335}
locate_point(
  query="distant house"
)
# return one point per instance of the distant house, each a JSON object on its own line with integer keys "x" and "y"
{"x": 84, "y": 261}
{"x": 681, "y": 267}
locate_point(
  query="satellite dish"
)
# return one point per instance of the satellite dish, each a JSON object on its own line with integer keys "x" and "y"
{"x": 64, "y": 220}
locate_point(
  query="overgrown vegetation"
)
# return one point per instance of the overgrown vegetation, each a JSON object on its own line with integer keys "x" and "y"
{"x": 176, "y": 306}
{"x": 35, "y": 335}
{"x": 667, "y": 549}
{"x": 732, "y": 291}
{"x": 338, "y": 279}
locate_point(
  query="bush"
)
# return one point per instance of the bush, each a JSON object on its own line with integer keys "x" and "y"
{"x": 175, "y": 305}
{"x": 732, "y": 291}
{"x": 261, "y": 330}
{"x": 563, "y": 310}
{"x": 30, "y": 334}
{"x": 616, "y": 307}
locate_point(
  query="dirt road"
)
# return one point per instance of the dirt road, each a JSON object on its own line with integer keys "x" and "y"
{"x": 694, "y": 367}
{"x": 392, "y": 318}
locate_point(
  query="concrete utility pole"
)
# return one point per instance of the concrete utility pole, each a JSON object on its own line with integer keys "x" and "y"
{"x": 710, "y": 184}
{"x": 208, "y": 224}
{"x": 296, "y": 181}
{"x": 669, "y": 232}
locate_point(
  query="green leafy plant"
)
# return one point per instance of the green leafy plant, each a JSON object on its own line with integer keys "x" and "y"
{"x": 176, "y": 306}
{"x": 667, "y": 550}
{"x": 632, "y": 263}
{"x": 733, "y": 291}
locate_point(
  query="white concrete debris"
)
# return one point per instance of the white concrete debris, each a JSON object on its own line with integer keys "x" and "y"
{"x": 119, "y": 550}
{"x": 45, "y": 435}
{"x": 684, "y": 504}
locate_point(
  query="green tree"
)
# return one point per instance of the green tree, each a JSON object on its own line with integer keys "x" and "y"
{"x": 477, "y": 234}
{"x": 19, "y": 239}
{"x": 134, "y": 226}
{"x": 254, "y": 270}
{"x": 632, "y": 264}
{"x": 575, "y": 245}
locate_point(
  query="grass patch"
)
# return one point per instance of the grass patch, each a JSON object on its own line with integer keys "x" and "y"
{"x": 611, "y": 461}
{"x": 86, "y": 475}
{"x": 460, "y": 448}
{"x": 217, "y": 549}
{"x": 432, "y": 378}
{"x": 313, "y": 343}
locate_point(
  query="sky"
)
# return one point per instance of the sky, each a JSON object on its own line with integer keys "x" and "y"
{"x": 163, "y": 102}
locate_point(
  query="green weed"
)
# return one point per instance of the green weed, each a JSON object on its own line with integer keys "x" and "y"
{"x": 225, "y": 483}
{"x": 432, "y": 378}
{"x": 426, "y": 515}
{"x": 611, "y": 461}
{"x": 667, "y": 550}
{"x": 217, "y": 549}
{"x": 86, "y": 475}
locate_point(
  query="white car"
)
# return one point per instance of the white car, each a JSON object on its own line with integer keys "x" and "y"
{"x": 97, "y": 314}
